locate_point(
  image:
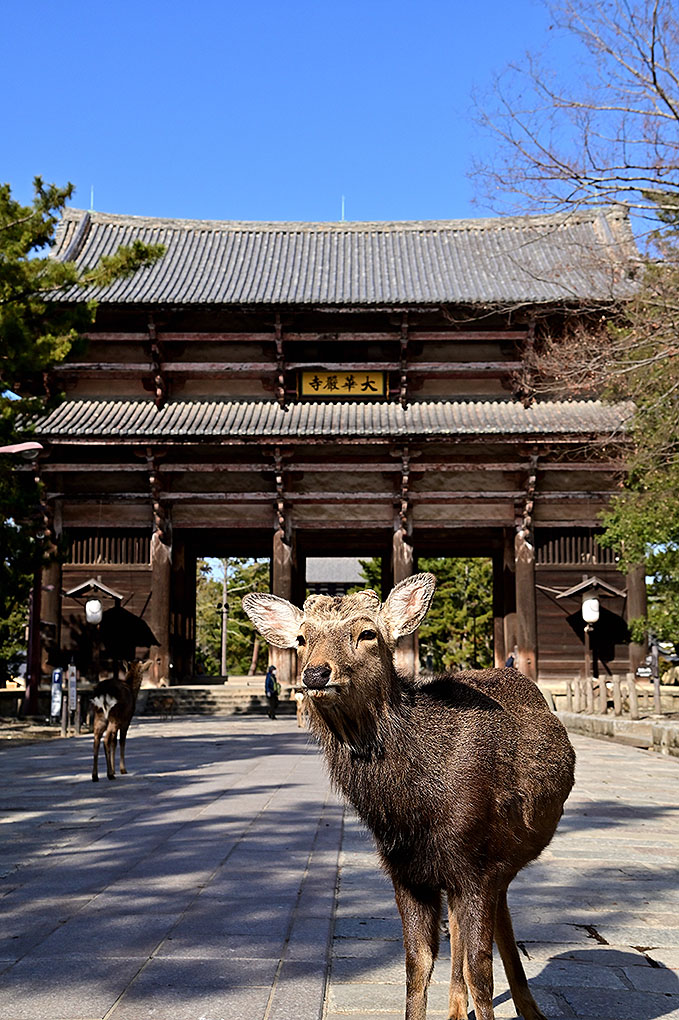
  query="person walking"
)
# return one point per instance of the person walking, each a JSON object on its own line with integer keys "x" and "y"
{"x": 271, "y": 690}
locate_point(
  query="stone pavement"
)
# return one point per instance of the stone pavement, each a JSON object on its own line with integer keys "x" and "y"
{"x": 219, "y": 880}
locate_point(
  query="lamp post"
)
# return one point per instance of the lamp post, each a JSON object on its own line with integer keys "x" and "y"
{"x": 590, "y": 615}
{"x": 223, "y": 606}
{"x": 224, "y": 610}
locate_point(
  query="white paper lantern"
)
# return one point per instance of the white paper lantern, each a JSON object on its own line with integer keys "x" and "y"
{"x": 93, "y": 611}
{"x": 590, "y": 609}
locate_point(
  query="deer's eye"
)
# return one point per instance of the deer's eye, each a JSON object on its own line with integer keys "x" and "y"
{"x": 367, "y": 635}
{"x": 301, "y": 640}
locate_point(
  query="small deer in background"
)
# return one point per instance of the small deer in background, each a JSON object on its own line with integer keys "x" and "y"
{"x": 461, "y": 779}
{"x": 114, "y": 703}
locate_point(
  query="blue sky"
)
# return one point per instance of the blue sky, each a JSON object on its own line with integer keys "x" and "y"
{"x": 259, "y": 110}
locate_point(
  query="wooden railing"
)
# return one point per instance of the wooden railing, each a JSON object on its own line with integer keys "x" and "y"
{"x": 595, "y": 696}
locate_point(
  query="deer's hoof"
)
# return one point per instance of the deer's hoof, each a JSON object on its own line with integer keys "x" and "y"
{"x": 458, "y": 1007}
{"x": 531, "y": 1011}
{"x": 112, "y": 776}
{"x": 95, "y": 779}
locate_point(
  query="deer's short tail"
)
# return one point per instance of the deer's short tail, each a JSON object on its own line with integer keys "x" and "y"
{"x": 105, "y": 702}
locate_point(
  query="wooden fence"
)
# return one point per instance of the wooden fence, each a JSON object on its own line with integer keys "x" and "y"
{"x": 596, "y": 696}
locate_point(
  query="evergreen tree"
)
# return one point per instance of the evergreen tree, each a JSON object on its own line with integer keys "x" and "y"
{"x": 457, "y": 632}
{"x": 36, "y": 332}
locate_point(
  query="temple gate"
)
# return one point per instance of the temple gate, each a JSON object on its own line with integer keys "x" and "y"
{"x": 288, "y": 390}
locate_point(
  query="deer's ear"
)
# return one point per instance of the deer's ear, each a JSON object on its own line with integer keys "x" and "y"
{"x": 407, "y": 606}
{"x": 276, "y": 620}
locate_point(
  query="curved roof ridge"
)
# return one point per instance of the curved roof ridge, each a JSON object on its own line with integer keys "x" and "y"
{"x": 585, "y": 215}
{"x": 588, "y": 255}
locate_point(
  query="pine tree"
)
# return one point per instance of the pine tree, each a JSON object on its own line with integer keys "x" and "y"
{"x": 36, "y": 332}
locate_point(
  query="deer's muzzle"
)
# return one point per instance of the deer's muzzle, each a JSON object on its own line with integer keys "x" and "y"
{"x": 316, "y": 677}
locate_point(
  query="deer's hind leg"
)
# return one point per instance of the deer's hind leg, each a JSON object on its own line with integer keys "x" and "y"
{"x": 509, "y": 951}
{"x": 420, "y": 912}
{"x": 110, "y": 740}
{"x": 99, "y": 727}
{"x": 458, "y": 998}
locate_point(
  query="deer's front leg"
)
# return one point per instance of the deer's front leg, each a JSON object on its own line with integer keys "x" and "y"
{"x": 99, "y": 727}
{"x": 123, "y": 738}
{"x": 420, "y": 912}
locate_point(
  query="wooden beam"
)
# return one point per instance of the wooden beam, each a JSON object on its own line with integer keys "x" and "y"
{"x": 417, "y": 497}
{"x": 447, "y": 369}
{"x": 440, "y": 369}
{"x": 202, "y": 368}
{"x": 416, "y": 467}
{"x": 556, "y": 439}
{"x": 368, "y": 336}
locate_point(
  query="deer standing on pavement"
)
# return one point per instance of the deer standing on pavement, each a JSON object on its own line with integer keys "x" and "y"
{"x": 461, "y": 779}
{"x": 114, "y": 703}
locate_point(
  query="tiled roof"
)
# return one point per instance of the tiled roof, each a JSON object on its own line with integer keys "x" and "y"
{"x": 139, "y": 419}
{"x": 526, "y": 259}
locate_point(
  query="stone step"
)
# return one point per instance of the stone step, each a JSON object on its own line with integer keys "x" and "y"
{"x": 209, "y": 701}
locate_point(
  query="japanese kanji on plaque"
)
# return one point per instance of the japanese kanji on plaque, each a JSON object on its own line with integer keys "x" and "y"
{"x": 343, "y": 385}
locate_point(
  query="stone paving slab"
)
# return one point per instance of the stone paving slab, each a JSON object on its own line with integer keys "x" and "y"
{"x": 221, "y": 879}
{"x": 201, "y": 885}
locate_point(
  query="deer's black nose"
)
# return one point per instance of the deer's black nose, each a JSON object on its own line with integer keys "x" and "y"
{"x": 316, "y": 677}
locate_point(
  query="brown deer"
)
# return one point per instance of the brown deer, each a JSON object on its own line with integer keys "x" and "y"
{"x": 461, "y": 779}
{"x": 114, "y": 703}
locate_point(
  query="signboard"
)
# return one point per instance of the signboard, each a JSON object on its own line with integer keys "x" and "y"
{"x": 72, "y": 687}
{"x": 55, "y": 703}
{"x": 343, "y": 385}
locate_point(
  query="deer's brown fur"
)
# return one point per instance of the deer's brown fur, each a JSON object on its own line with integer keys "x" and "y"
{"x": 114, "y": 703}
{"x": 461, "y": 779}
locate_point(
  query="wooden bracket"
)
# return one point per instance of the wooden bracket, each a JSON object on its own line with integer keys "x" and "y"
{"x": 46, "y": 509}
{"x": 525, "y": 528}
{"x": 280, "y": 363}
{"x": 158, "y": 380}
{"x": 527, "y": 389}
{"x": 161, "y": 522}
{"x": 403, "y": 383}
{"x": 405, "y": 490}
{"x": 280, "y": 492}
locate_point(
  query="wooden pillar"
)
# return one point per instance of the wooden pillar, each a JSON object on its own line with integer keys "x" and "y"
{"x": 499, "y": 650}
{"x": 526, "y": 606}
{"x": 636, "y": 607}
{"x": 44, "y": 628}
{"x": 34, "y": 674}
{"x": 406, "y": 657}
{"x": 282, "y": 584}
{"x": 161, "y": 581}
{"x": 183, "y": 604}
{"x": 51, "y": 616}
{"x": 509, "y": 588}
